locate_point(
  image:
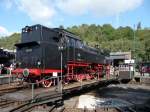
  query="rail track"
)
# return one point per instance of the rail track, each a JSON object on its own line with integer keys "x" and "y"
{"x": 87, "y": 110}
{"x": 5, "y": 103}
{"x": 56, "y": 100}
{"x": 125, "y": 109}
{"x": 28, "y": 106}
{"x": 39, "y": 99}
{"x": 10, "y": 88}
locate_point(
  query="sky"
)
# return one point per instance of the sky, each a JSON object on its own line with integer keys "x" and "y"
{"x": 15, "y": 14}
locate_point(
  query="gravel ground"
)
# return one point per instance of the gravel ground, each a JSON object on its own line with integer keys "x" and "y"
{"x": 135, "y": 95}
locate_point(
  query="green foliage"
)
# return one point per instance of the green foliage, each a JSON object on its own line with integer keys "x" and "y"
{"x": 8, "y": 42}
{"x": 147, "y": 49}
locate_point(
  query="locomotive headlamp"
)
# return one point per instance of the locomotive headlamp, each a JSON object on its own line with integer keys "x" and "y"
{"x": 60, "y": 48}
{"x": 25, "y": 72}
{"x": 62, "y": 43}
{"x": 39, "y": 63}
{"x": 19, "y": 63}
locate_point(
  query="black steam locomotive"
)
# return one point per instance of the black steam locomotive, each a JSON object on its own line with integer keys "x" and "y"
{"x": 39, "y": 55}
{"x": 6, "y": 60}
{"x": 6, "y": 57}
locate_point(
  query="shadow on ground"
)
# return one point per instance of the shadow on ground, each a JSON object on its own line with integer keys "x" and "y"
{"x": 139, "y": 96}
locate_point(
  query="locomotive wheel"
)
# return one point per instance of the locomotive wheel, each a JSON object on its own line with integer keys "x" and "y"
{"x": 47, "y": 83}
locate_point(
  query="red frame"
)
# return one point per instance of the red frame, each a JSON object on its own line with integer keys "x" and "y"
{"x": 35, "y": 71}
{"x": 71, "y": 75}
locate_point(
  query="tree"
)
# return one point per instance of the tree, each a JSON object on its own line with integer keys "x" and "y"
{"x": 8, "y": 42}
{"x": 147, "y": 50}
{"x": 107, "y": 31}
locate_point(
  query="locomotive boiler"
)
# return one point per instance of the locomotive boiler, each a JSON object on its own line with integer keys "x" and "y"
{"x": 38, "y": 56}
